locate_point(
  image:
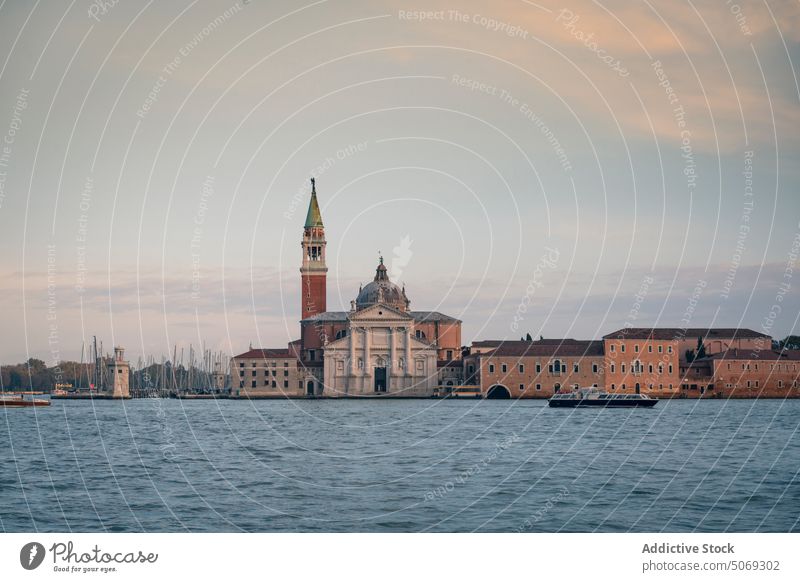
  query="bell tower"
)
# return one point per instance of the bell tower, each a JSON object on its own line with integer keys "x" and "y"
{"x": 314, "y": 272}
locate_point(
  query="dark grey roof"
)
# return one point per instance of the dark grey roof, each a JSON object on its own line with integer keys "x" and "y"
{"x": 677, "y": 333}
{"x": 265, "y": 354}
{"x": 329, "y": 316}
{"x": 419, "y": 316}
{"x": 538, "y": 342}
{"x": 423, "y": 316}
{"x": 572, "y": 348}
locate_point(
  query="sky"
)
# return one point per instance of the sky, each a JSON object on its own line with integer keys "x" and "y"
{"x": 562, "y": 169}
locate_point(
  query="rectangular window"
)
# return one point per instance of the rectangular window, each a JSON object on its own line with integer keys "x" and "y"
{"x": 521, "y": 387}
{"x": 613, "y": 348}
{"x": 575, "y": 368}
{"x": 649, "y": 348}
{"x": 538, "y": 386}
{"x": 286, "y": 383}
{"x": 636, "y": 348}
{"x": 669, "y": 349}
{"x": 622, "y": 348}
{"x": 670, "y": 370}
{"x": 504, "y": 368}
{"x": 538, "y": 367}
{"x": 253, "y": 384}
{"x": 449, "y": 355}
{"x": 241, "y": 364}
{"x": 521, "y": 368}
{"x": 254, "y": 373}
{"x": 594, "y": 368}
{"x": 622, "y": 367}
{"x": 491, "y": 368}
{"x": 660, "y": 349}
{"x": 613, "y": 368}
{"x": 650, "y": 368}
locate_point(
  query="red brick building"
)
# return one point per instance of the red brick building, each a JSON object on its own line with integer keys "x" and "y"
{"x": 537, "y": 369}
{"x": 737, "y": 373}
{"x": 654, "y": 360}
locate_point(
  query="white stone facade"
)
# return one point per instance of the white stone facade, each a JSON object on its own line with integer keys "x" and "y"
{"x": 380, "y": 357}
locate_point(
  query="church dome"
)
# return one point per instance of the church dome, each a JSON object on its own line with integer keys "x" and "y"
{"x": 383, "y": 291}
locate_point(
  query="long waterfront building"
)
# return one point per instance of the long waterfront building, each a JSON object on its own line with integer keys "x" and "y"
{"x": 383, "y": 348}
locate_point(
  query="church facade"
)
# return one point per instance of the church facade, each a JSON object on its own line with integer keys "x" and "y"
{"x": 379, "y": 348}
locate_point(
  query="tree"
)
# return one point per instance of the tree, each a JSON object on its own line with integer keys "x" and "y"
{"x": 529, "y": 338}
{"x": 701, "y": 349}
{"x": 790, "y": 342}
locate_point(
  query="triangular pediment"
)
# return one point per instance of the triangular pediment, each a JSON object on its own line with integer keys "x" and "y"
{"x": 380, "y": 312}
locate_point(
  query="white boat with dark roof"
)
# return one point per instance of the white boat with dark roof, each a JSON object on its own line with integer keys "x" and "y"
{"x": 596, "y": 397}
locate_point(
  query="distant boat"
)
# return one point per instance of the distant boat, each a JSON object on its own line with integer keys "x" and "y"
{"x": 595, "y": 397}
{"x": 13, "y": 399}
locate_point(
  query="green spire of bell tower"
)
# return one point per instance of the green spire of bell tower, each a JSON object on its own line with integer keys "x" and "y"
{"x": 314, "y": 216}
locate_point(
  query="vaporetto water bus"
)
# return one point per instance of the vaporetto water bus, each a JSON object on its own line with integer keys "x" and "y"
{"x": 596, "y": 397}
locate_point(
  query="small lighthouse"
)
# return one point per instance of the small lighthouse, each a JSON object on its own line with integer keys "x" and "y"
{"x": 119, "y": 375}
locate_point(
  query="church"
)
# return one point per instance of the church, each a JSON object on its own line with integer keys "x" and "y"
{"x": 379, "y": 348}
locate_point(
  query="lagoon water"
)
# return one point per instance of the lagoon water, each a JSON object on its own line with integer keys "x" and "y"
{"x": 408, "y": 466}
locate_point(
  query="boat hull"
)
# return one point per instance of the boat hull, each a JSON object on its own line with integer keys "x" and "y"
{"x": 597, "y": 403}
{"x": 23, "y": 403}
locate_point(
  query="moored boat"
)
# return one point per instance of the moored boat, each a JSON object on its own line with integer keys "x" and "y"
{"x": 596, "y": 397}
{"x": 18, "y": 400}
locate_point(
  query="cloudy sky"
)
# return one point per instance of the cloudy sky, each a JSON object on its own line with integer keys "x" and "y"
{"x": 561, "y": 169}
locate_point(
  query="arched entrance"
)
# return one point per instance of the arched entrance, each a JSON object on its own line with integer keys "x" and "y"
{"x": 498, "y": 393}
{"x": 310, "y": 388}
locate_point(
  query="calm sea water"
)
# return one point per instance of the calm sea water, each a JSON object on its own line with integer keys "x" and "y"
{"x": 166, "y": 465}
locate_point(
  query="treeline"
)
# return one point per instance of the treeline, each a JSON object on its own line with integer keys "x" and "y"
{"x": 163, "y": 378}
{"x": 36, "y": 375}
